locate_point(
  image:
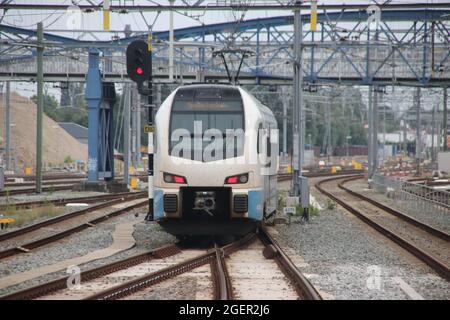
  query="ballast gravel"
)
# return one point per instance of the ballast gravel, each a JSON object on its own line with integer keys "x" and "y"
{"x": 345, "y": 259}
{"x": 426, "y": 214}
{"x": 147, "y": 236}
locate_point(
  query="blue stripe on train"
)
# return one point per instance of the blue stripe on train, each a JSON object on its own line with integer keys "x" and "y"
{"x": 255, "y": 204}
{"x": 158, "y": 204}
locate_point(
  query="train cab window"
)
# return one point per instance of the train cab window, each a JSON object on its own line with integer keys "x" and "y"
{"x": 268, "y": 146}
{"x": 196, "y": 111}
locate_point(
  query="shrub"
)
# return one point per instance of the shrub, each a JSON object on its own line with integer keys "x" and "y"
{"x": 331, "y": 204}
{"x": 68, "y": 160}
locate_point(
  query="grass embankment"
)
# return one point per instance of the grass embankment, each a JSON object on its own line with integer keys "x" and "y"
{"x": 26, "y": 216}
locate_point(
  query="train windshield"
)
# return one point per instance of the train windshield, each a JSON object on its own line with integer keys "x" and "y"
{"x": 207, "y": 124}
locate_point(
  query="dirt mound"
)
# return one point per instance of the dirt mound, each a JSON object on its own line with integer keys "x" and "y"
{"x": 57, "y": 143}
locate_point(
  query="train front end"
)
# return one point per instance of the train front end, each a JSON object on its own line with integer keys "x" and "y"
{"x": 208, "y": 179}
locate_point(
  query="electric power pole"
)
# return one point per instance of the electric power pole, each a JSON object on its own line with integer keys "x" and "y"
{"x": 418, "y": 136}
{"x": 298, "y": 108}
{"x": 445, "y": 122}
{"x": 40, "y": 106}
{"x": 8, "y": 126}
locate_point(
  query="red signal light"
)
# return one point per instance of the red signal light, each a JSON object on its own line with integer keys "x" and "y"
{"x": 139, "y": 70}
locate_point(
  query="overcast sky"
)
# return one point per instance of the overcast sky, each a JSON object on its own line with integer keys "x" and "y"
{"x": 61, "y": 20}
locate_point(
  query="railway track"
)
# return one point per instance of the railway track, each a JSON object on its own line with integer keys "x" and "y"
{"x": 423, "y": 241}
{"x": 46, "y": 182}
{"x": 62, "y": 202}
{"x": 38, "y": 234}
{"x": 46, "y": 177}
{"x": 45, "y": 188}
{"x": 103, "y": 277}
{"x": 221, "y": 278}
{"x": 288, "y": 176}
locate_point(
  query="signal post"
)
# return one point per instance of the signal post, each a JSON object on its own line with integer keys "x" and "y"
{"x": 139, "y": 69}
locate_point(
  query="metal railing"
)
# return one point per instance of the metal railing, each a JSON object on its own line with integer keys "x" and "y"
{"x": 413, "y": 196}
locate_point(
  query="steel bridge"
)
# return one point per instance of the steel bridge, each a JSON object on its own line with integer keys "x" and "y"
{"x": 408, "y": 47}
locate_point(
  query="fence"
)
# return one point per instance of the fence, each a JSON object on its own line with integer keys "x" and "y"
{"x": 413, "y": 196}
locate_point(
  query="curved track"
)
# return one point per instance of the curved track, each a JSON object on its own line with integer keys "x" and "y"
{"x": 216, "y": 258}
{"x": 221, "y": 278}
{"x": 426, "y": 243}
{"x": 61, "y": 284}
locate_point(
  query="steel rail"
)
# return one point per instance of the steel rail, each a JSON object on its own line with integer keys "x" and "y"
{"x": 45, "y": 177}
{"x": 61, "y": 202}
{"x": 85, "y": 276}
{"x": 148, "y": 280}
{"x": 67, "y": 216}
{"x": 288, "y": 176}
{"x": 47, "y": 182}
{"x": 436, "y": 264}
{"x": 302, "y": 285}
{"x": 223, "y": 289}
{"x": 426, "y": 227}
{"x": 60, "y": 235}
{"x": 141, "y": 283}
{"x": 33, "y": 190}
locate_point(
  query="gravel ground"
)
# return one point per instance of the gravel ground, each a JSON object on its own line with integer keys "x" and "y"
{"x": 342, "y": 256}
{"x": 345, "y": 259}
{"x": 180, "y": 288}
{"x": 147, "y": 236}
{"x": 52, "y": 229}
{"x": 431, "y": 217}
{"x": 193, "y": 285}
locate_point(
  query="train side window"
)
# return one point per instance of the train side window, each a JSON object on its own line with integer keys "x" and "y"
{"x": 269, "y": 146}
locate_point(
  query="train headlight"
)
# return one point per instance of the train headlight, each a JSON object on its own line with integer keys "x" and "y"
{"x": 171, "y": 178}
{"x": 237, "y": 179}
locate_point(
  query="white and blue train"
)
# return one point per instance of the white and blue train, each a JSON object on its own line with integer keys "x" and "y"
{"x": 216, "y": 161}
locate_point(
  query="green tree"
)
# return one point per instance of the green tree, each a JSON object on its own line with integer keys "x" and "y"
{"x": 50, "y": 106}
{"x": 52, "y": 109}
